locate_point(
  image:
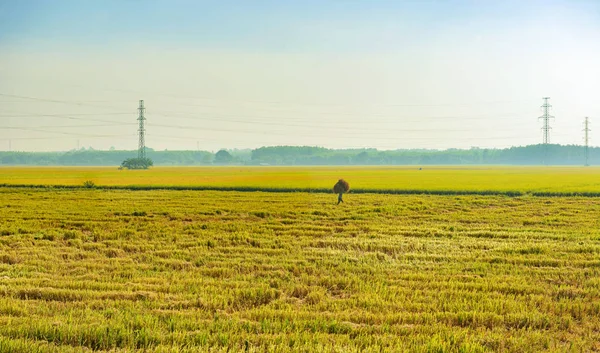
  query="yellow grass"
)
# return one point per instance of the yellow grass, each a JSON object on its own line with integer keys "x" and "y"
{"x": 189, "y": 271}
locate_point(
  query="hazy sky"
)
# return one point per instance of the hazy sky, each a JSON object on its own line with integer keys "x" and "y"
{"x": 340, "y": 74}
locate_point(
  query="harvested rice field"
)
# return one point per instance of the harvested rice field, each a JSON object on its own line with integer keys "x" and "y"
{"x": 225, "y": 271}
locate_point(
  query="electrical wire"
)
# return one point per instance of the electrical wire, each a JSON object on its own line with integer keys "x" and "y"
{"x": 116, "y": 137}
{"x": 349, "y": 132}
{"x": 55, "y": 101}
{"x": 333, "y": 125}
{"x": 63, "y": 133}
{"x": 69, "y": 117}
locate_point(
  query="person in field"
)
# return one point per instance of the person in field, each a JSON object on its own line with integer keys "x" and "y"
{"x": 340, "y": 188}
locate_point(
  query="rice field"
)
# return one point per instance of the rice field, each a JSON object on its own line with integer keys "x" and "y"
{"x": 206, "y": 271}
{"x": 520, "y": 179}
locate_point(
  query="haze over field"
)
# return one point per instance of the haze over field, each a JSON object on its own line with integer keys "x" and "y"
{"x": 338, "y": 74}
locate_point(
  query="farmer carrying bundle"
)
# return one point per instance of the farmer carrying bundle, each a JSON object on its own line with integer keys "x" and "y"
{"x": 340, "y": 188}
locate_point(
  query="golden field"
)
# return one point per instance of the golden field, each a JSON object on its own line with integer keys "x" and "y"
{"x": 207, "y": 271}
{"x": 522, "y": 179}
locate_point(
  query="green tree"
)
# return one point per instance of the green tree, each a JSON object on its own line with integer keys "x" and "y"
{"x": 223, "y": 157}
{"x": 137, "y": 163}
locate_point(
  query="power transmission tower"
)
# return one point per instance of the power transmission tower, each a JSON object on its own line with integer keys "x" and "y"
{"x": 546, "y": 119}
{"x": 546, "y": 128}
{"x": 141, "y": 130}
{"x": 587, "y": 130}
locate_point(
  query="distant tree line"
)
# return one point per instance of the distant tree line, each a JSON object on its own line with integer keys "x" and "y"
{"x": 304, "y": 155}
{"x": 526, "y": 155}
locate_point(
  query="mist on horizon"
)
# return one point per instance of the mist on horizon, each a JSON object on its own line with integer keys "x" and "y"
{"x": 382, "y": 74}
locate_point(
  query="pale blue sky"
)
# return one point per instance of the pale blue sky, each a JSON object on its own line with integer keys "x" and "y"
{"x": 256, "y": 25}
{"x": 238, "y": 74}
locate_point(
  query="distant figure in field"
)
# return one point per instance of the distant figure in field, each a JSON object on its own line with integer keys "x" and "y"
{"x": 340, "y": 188}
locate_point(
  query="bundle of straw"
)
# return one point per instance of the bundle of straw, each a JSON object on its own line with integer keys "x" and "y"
{"x": 341, "y": 186}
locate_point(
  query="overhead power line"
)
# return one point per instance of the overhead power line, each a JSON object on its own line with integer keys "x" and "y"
{"x": 68, "y": 117}
{"x": 29, "y": 115}
{"x": 116, "y": 137}
{"x": 338, "y": 125}
{"x": 61, "y": 126}
{"x": 259, "y": 123}
{"x": 354, "y": 133}
{"x": 76, "y": 103}
{"x": 229, "y": 101}
{"x": 61, "y": 132}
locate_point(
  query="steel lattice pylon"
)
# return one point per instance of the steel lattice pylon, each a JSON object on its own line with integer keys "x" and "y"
{"x": 141, "y": 119}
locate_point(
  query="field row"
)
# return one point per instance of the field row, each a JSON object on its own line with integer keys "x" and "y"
{"x": 517, "y": 180}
